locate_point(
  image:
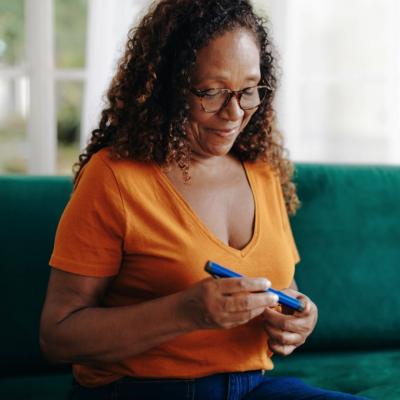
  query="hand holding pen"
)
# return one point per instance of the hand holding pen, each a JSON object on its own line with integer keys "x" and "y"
{"x": 219, "y": 271}
{"x": 289, "y": 329}
{"x": 224, "y": 303}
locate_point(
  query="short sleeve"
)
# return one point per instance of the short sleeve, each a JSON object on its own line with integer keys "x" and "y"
{"x": 90, "y": 235}
{"x": 286, "y": 225}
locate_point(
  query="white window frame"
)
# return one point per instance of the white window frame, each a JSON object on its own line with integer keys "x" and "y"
{"x": 41, "y": 124}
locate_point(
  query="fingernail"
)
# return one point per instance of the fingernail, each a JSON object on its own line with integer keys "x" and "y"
{"x": 265, "y": 282}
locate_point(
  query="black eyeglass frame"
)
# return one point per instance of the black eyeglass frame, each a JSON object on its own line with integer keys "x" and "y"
{"x": 231, "y": 93}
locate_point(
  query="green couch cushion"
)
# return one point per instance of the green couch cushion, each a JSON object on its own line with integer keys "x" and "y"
{"x": 30, "y": 208}
{"x": 373, "y": 374}
{"x": 36, "y": 387}
{"x": 348, "y": 235}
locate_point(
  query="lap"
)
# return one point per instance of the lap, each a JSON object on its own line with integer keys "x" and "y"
{"x": 288, "y": 388}
{"x": 252, "y": 385}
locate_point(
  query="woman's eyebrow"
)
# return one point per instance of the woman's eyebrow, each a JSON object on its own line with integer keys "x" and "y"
{"x": 252, "y": 77}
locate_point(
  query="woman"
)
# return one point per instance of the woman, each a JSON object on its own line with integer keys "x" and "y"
{"x": 185, "y": 167}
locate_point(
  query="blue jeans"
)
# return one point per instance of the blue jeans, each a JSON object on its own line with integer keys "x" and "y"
{"x": 252, "y": 385}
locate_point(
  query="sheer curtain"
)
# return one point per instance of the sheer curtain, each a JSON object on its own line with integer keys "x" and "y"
{"x": 108, "y": 25}
{"x": 339, "y": 99}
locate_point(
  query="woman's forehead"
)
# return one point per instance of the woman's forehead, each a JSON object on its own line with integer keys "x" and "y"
{"x": 234, "y": 54}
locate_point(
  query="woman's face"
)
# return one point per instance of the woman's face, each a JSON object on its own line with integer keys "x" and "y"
{"x": 230, "y": 61}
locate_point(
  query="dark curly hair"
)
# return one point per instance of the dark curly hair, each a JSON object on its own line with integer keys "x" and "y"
{"x": 147, "y": 101}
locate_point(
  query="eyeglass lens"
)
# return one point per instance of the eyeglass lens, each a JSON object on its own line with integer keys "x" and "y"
{"x": 250, "y": 98}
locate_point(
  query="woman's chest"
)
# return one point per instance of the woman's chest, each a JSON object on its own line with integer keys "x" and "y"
{"x": 225, "y": 207}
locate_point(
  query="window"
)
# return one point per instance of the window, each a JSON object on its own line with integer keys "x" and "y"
{"x": 340, "y": 91}
{"x": 54, "y": 81}
{"x": 42, "y": 72}
{"x": 338, "y": 101}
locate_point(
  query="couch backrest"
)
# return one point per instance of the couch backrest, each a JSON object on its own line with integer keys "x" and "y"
{"x": 347, "y": 231}
{"x": 348, "y": 235}
{"x": 30, "y": 208}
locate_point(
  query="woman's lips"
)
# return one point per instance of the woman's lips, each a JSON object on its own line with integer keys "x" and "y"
{"x": 223, "y": 132}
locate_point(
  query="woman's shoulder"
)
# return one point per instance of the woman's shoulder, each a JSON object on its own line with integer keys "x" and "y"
{"x": 107, "y": 157}
{"x": 104, "y": 159}
{"x": 261, "y": 169}
{"x": 104, "y": 168}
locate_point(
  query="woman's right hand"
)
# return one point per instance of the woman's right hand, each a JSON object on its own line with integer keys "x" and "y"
{"x": 226, "y": 303}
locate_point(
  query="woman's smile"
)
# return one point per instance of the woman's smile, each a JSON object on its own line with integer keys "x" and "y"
{"x": 224, "y": 133}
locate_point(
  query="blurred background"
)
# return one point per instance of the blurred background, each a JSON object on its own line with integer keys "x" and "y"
{"x": 338, "y": 101}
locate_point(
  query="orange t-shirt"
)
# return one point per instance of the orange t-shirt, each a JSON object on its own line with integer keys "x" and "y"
{"x": 125, "y": 218}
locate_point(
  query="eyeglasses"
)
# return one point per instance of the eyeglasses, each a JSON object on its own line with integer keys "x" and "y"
{"x": 214, "y": 100}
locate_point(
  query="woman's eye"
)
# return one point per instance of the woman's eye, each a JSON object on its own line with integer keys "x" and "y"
{"x": 248, "y": 91}
{"x": 212, "y": 93}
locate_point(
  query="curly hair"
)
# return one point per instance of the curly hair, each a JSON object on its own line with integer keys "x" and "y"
{"x": 147, "y": 106}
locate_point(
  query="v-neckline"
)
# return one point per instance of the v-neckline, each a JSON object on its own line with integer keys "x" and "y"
{"x": 169, "y": 186}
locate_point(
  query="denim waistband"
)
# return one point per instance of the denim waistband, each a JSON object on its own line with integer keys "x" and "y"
{"x": 221, "y": 386}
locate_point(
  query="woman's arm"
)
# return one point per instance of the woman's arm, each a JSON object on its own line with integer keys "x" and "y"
{"x": 75, "y": 328}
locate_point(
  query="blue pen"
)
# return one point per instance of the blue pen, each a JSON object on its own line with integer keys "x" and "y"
{"x": 218, "y": 271}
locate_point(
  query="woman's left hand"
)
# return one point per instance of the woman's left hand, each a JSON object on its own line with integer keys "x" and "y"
{"x": 286, "y": 329}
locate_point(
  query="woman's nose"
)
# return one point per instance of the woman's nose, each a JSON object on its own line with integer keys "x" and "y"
{"x": 232, "y": 110}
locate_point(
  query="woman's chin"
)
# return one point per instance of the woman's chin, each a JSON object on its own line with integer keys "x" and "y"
{"x": 219, "y": 151}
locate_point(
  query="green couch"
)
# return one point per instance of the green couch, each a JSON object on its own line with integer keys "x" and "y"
{"x": 348, "y": 235}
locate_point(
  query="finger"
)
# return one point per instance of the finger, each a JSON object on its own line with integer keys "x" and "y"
{"x": 283, "y": 322}
{"x": 247, "y": 302}
{"x": 285, "y": 338}
{"x": 296, "y": 318}
{"x": 243, "y": 317}
{"x": 303, "y": 298}
{"x": 275, "y": 315}
{"x": 309, "y": 307}
{"x": 237, "y": 285}
{"x": 281, "y": 350}
{"x": 302, "y": 327}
